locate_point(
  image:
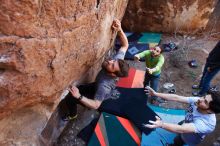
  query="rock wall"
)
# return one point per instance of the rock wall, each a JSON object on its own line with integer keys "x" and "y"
{"x": 181, "y": 16}
{"x": 46, "y": 45}
{"x": 213, "y": 28}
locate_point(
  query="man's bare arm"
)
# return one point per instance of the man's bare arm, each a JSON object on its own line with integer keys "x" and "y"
{"x": 94, "y": 104}
{"x": 123, "y": 38}
{"x": 124, "y": 41}
{"x": 184, "y": 128}
{"x": 171, "y": 97}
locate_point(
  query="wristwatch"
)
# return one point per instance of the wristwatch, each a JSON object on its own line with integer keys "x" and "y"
{"x": 80, "y": 97}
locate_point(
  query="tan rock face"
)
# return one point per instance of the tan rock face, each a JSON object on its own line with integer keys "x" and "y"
{"x": 179, "y": 16}
{"x": 46, "y": 45}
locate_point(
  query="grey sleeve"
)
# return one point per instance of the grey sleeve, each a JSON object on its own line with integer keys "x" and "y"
{"x": 119, "y": 55}
{"x": 203, "y": 127}
{"x": 103, "y": 92}
{"x": 192, "y": 100}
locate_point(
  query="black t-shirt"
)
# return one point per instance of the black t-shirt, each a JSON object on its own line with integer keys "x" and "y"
{"x": 213, "y": 59}
{"x": 131, "y": 104}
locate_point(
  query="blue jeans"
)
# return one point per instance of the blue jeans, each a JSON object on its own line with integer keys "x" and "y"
{"x": 206, "y": 79}
{"x": 152, "y": 81}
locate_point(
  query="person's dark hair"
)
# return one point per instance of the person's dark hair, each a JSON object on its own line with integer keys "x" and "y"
{"x": 161, "y": 48}
{"x": 124, "y": 68}
{"x": 214, "y": 105}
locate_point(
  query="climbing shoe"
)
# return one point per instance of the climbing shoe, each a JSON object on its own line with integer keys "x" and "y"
{"x": 69, "y": 117}
{"x": 172, "y": 91}
{"x": 195, "y": 93}
{"x": 195, "y": 86}
{"x": 193, "y": 63}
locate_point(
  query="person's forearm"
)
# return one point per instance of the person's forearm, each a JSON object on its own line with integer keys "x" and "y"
{"x": 143, "y": 54}
{"x": 123, "y": 38}
{"x": 94, "y": 104}
{"x": 174, "y": 128}
{"x": 159, "y": 64}
{"x": 166, "y": 96}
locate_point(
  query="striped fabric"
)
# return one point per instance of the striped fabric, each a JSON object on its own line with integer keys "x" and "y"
{"x": 135, "y": 79}
{"x": 159, "y": 136}
{"x": 114, "y": 131}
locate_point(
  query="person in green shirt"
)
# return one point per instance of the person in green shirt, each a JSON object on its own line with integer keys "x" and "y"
{"x": 154, "y": 61}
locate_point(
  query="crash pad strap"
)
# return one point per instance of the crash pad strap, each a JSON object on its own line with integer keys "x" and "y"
{"x": 127, "y": 125}
{"x": 99, "y": 135}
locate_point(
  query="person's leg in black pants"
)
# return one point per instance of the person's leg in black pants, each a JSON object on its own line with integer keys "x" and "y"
{"x": 177, "y": 141}
{"x": 71, "y": 104}
{"x": 147, "y": 80}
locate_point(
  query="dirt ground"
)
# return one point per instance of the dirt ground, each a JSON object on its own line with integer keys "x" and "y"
{"x": 176, "y": 70}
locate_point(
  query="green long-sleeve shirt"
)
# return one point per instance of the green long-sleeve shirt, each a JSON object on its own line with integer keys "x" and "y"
{"x": 152, "y": 62}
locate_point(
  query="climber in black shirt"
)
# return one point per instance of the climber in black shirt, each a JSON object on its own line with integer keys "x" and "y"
{"x": 211, "y": 68}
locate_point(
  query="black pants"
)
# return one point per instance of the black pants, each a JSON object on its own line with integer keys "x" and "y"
{"x": 178, "y": 141}
{"x": 87, "y": 90}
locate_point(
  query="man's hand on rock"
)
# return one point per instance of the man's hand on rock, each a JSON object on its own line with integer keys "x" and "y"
{"x": 116, "y": 25}
{"x": 75, "y": 92}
